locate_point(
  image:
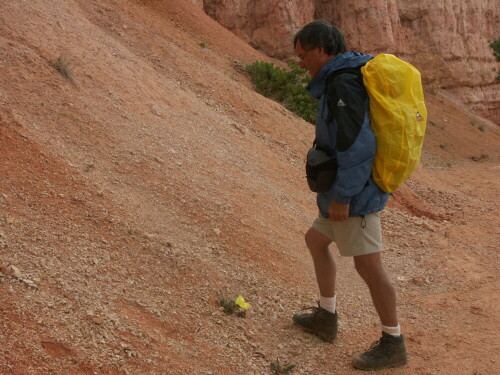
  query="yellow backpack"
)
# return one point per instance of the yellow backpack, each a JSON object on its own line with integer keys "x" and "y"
{"x": 398, "y": 118}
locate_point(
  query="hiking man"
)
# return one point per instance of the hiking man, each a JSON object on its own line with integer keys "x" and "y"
{"x": 349, "y": 210}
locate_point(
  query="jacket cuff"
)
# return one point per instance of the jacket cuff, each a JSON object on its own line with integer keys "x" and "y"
{"x": 344, "y": 199}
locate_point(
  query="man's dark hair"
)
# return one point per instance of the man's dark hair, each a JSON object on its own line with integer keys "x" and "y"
{"x": 321, "y": 34}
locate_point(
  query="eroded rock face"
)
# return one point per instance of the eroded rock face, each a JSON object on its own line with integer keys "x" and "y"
{"x": 266, "y": 25}
{"x": 446, "y": 39}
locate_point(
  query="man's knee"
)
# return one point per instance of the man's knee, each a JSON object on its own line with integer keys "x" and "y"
{"x": 369, "y": 267}
{"x": 316, "y": 241}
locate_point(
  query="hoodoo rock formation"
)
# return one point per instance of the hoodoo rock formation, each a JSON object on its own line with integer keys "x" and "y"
{"x": 447, "y": 40}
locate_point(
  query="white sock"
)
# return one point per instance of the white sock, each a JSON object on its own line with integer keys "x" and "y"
{"x": 393, "y": 331}
{"x": 328, "y": 303}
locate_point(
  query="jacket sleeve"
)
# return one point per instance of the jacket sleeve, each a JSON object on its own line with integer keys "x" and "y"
{"x": 355, "y": 144}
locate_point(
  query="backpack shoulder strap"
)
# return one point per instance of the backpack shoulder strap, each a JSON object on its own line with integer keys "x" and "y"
{"x": 332, "y": 76}
{"x": 346, "y": 100}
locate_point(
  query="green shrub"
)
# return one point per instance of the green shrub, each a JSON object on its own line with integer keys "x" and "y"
{"x": 280, "y": 369}
{"x": 284, "y": 86}
{"x": 495, "y": 46}
{"x": 63, "y": 66}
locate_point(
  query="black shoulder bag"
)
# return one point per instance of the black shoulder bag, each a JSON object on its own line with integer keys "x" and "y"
{"x": 321, "y": 169}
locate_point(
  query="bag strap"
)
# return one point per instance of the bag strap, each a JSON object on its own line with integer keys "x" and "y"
{"x": 315, "y": 145}
{"x": 331, "y": 77}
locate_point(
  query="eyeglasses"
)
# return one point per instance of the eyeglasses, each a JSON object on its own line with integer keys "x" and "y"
{"x": 302, "y": 56}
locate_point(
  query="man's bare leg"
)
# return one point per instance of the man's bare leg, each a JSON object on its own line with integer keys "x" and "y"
{"x": 383, "y": 294}
{"x": 324, "y": 263}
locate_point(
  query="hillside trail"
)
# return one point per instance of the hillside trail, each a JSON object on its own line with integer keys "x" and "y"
{"x": 154, "y": 180}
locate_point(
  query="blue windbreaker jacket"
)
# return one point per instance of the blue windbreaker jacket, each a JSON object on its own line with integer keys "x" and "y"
{"x": 343, "y": 129}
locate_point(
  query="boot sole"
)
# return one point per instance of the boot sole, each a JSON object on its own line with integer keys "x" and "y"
{"x": 379, "y": 367}
{"x": 322, "y": 336}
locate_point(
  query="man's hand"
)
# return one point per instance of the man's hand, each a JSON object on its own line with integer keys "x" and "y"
{"x": 338, "y": 211}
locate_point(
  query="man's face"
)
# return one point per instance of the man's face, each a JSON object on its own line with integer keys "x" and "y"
{"x": 312, "y": 60}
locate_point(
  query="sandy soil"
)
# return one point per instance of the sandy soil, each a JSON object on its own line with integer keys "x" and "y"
{"x": 151, "y": 180}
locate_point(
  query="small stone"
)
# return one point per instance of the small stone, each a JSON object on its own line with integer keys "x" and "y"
{"x": 98, "y": 320}
{"x": 3, "y": 268}
{"x": 417, "y": 280}
{"x": 429, "y": 227}
{"x": 131, "y": 353}
{"x": 260, "y": 354}
{"x": 156, "y": 110}
{"x": 14, "y": 272}
{"x": 113, "y": 317}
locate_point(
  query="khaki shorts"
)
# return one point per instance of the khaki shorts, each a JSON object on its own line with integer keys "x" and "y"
{"x": 355, "y": 236}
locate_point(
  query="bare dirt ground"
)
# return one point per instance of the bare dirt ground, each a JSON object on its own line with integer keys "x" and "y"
{"x": 152, "y": 180}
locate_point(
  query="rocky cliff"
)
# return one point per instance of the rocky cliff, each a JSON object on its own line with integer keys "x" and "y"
{"x": 447, "y": 40}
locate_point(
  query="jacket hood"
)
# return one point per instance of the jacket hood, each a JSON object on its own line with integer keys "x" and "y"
{"x": 347, "y": 60}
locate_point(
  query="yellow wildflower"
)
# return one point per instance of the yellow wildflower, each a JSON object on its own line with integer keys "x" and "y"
{"x": 241, "y": 303}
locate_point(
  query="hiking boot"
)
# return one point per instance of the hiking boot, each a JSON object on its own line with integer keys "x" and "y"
{"x": 319, "y": 322}
{"x": 388, "y": 351}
